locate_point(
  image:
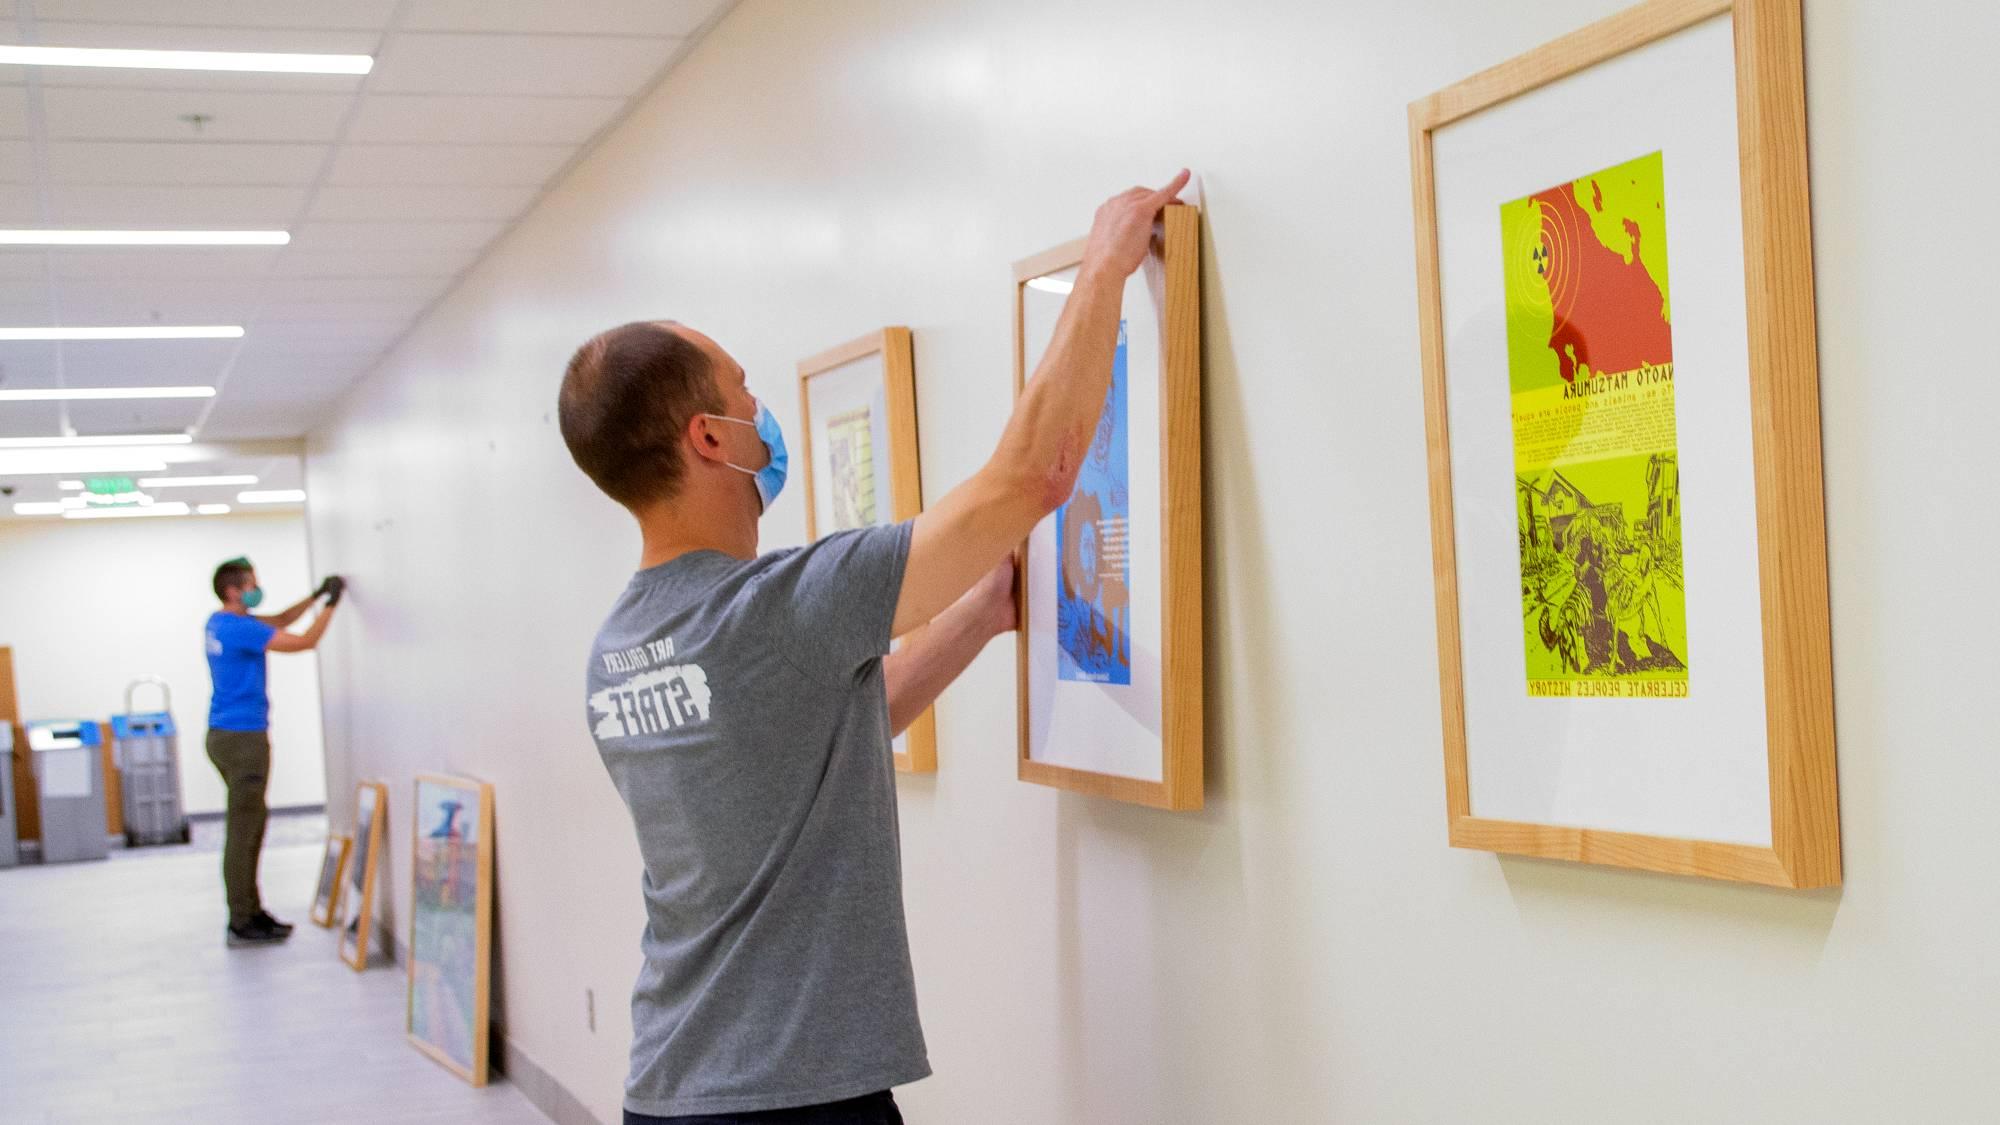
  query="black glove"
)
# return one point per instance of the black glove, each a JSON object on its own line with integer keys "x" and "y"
{"x": 332, "y": 588}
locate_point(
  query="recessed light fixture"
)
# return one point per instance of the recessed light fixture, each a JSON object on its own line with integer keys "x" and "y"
{"x": 81, "y": 394}
{"x": 70, "y": 485}
{"x": 195, "y": 482}
{"x": 93, "y": 441}
{"x": 266, "y": 62}
{"x": 144, "y": 237}
{"x": 272, "y": 496}
{"x": 171, "y": 508}
{"x": 136, "y": 332}
{"x": 212, "y": 509}
{"x": 39, "y": 508}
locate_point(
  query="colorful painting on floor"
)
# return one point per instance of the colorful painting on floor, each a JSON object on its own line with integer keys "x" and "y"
{"x": 447, "y": 1001}
{"x": 1596, "y": 451}
{"x": 1094, "y": 601}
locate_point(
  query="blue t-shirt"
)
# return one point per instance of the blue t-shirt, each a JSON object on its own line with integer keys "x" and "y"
{"x": 236, "y": 643}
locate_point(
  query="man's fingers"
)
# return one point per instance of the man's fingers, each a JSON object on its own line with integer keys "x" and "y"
{"x": 1166, "y": 194}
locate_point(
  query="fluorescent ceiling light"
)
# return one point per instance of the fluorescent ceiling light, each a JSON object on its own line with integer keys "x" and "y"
{"x": 144, "y": 237}
{"x": 93, "y": 440}
{"x": 266, "y": 62}
{"x": 79, "y": 394}
{"x": 1051, "y": 284}
{"x": 212, "y": 509}
{"x": 272, "y": 496}
{"x": 195, "y": 482}
{"x": 174, "y": 508}
{"x": 39, "y": 508}
{"x": 137, "y": 332}
{"x": 70, "y": 485}
{"x": 71, "y": 462}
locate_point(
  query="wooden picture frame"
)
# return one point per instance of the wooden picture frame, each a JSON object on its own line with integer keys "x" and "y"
{"x": 1172, "y": 279}
{"x": 1782, "y": 422}
{"x": 357, "y": 933}
{"x": 843, "y": 372}
{"x": 447, "y": 1005}
{"x": 326, "y": 893}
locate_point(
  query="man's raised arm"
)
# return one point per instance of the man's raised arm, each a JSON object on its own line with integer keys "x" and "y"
{"x": 1035, "y": 467}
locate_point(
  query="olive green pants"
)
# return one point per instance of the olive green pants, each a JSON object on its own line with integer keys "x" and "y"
{"x": 243, "y": 757}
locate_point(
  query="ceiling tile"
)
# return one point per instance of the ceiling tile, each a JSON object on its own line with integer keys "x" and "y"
{"x": 13, "y": 111}
{"x": 337, "y": 312}
{"x": 91, "y": 205}
{"x": 460, "y": 202}
{"x": 323, "y": 235}
{"x": 135, "y": 416}
{"x": 16, "y": 262}
{"x": 580, "y": 17}
{"x": 78, "y": 114}
{"x": 337, "y": 261}
{"x": 424, "y": 117}
{"x": 29, "y": 419}
{"x": 17, "y": 162}
{"x": 186, "y": 162}
{"x": 25, "y": 363}
{"x": 420, "y": 289}
{"x": 162, "y": 301}
{"x": 178, "y": 263}
{"x": 569, "y": 65}
{"x": 491, "y": 165}
{"x": 19, "y": 206}
{"x": 144, "y": 363}
{"x": 364, "y": 15}
{"x": 25, "y": 292}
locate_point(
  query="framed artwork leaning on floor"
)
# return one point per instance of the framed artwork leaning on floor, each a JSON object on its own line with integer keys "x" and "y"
{"x": 451, "y": 922}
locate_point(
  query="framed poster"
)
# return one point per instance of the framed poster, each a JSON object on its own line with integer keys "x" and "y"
{"x": 1110, "y": 645}
{"x": 858, "y": 408}
{"x": 371, "y": 804}
{"x": 326, "y": 895}
{"x": 451, "y": 922}
{"x": 1621, "y": 388}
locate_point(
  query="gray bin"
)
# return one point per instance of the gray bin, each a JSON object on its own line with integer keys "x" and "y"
{"x": 69, "y": 783}
{"x": 10, "y": 852}
{"x": 146, "y": 746}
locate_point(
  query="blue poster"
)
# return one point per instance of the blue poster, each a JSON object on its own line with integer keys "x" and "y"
{"x": 1093, "y": 594}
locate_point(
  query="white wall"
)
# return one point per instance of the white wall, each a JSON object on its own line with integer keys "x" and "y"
{"x": 90, "y": 606}
{"x": 1307, "y": 949}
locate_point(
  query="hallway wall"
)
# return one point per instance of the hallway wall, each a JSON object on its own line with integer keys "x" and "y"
{"x": 1307, "y": 949}
{"x": 89, "y": 606}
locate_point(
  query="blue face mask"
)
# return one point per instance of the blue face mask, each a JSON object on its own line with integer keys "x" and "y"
{"x": 771, "y": 478}
{"x": 253, "y": 597}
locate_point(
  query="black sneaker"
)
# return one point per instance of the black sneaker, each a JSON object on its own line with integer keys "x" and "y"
{"x": 282, "y": 929}
{"x": 254, "y": 932}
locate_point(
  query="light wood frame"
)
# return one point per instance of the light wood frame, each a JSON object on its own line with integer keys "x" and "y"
{"x": 1785, "y": 435}
{"x": 364, "y": 921}
{"x": 906, "y": 493}
{"x": 1177, "y": 254}
{"x": 327, "y": 914}
{"x": 483, "y": 928}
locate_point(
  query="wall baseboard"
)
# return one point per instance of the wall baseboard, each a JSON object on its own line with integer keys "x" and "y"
{"x": 537, "y": 1085}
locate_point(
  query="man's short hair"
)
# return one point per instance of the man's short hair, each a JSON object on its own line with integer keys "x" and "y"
{"x": 229, "y": 576}
{"x": 626, "y": 400}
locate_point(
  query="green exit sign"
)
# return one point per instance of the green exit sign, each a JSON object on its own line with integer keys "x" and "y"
{"x": 110, "y": 486}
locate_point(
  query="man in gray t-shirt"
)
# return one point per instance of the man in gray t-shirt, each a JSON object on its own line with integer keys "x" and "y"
{"x": 744, "y": 704}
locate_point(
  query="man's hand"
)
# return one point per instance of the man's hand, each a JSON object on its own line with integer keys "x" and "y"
{"x": 992, "y": 601}
{"x": 1123, "y": 228}
{"x": 333, "y": 587}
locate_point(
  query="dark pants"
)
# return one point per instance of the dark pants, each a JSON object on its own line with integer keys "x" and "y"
{"x": 872, "y": 1109}
{"x": 243, "y": 757}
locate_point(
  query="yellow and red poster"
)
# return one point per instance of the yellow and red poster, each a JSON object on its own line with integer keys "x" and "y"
{"x": 1596, "y": 458}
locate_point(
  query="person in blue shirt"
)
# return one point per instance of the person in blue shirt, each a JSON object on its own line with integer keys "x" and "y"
{"x": 239, "y": 724}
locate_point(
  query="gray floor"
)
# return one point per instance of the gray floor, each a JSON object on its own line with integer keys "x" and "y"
{"x": 119, "y": 1003}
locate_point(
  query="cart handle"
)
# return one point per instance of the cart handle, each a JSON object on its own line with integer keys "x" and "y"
{"x": 166, "y": 693}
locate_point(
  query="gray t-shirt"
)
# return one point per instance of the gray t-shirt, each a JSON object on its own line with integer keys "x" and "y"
{"x": 739, "y": 707}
